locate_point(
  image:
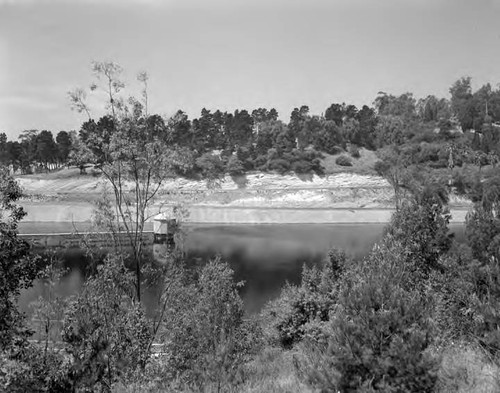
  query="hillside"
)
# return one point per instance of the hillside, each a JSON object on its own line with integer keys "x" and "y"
{"x": 356, "y": 186}
{"x": 257, "y": 189}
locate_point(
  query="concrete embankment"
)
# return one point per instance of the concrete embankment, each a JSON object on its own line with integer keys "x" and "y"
{"x": 245, "y": 215}
{"x": 205, "y": 214}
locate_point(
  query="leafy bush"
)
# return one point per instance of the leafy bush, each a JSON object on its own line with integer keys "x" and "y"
{"x": 32, "y": 369}
{"x": 421, "y": 226}
{"x": 452, "y": 290}
{"x": 302, "y": 310}
{"x": 18, "y": 268}
{"x": 483, "y": 232}
{"x": 343, "y": 161}
{"x": 210, "y": 166}
{"x": 381, "y": 167}
{"x": 354, "y": 151}
{"x": 301, "y": 167}
{"x": 461, "y": 183}
{"x": 182, "y": 160}
{"x": 313, "y": 157}
{"x": 234, "y": 166}
{"x": 279, "y": 165}
{"x": 246, "y": 155}
{"x": 428, "y": 136}
{"x": 299, "y": 161}
{"x": 260, "y": 162}
{"x": 466, "y": 369}
{"x": 483, "y": 235}
{"x": 105, "y": 330}
{"x": 429, "y": 152}
{"x": 383, "y": 325}
{"x": 23, "y": 367}
{"x": 204, "y": 333}
{"x": 380, "y": 332}
{"x": 334, "y": 150}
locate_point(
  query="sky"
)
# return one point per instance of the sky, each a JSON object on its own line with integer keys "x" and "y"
{"x": 235, "y": 54}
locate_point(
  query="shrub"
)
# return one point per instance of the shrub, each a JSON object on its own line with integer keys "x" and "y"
{"x": 302, "y": 310}
{"x": 482, "y": 229}
{"x": 182, "y": 161}
{"x": 260, "y": 162}
{"x": 381, "y": 167}
{"x": 354, "y": 151}
{"x": 461, "y": 183}
{"x": 383, "y": 324}
{"x": 428, "y": 136}
{"x": 211, "y": 166}
{"x": 314, "y": 157}
{"x": 300, "y": 161}
{"x": 421, "y": 226}
{"x": 334, "y": 150}
{"x": 18, "y": 268}
{"x": 246, "y": 156}
{"x": 279, "y": 165}
{"x": 205, "y": 334}
{"x": 234, "y": 166}
{"x": 343, "y": 161}
{"x": 380, "y": 332}
{"x": 106, "y": 332}
{"x": 429, "y": 152}
{"x": 301, "y": 167}
{"x": 34, "y": 370}
{"x": 483, "y": 235}
{"x": 453, "y": 294}
{"x": 466, "y": 369}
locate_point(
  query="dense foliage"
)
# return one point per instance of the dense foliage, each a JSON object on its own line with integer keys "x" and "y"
{"x": 303, "y": 311}
{"x": 425, "y": 130}
{"x": 379, "y": 331}
{"x": 17, "y": 268}
{"x": 105, "y": 331}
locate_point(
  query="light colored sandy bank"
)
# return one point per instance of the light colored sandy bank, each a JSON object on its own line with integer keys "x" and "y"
{"x": 71, "y": 182}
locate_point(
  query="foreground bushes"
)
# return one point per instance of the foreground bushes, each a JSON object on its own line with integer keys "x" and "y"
{"x": 108, "y": 338}
{"x": 371, "y": 325}
{"x": 205, "y": 336}
{"x": 377, "y": 324}
{"x": 379, "y": 332}
{"x": 302, "y": 311}
{"x": 465, "y": 368}
{"x": 105, "y": 330}
{"x": 29, "y": 368}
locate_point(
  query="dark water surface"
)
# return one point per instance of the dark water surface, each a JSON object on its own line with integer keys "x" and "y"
{"x": 264, "y": 256}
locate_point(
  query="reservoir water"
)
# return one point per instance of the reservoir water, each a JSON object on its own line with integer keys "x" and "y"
{"x": 264, "y": 256}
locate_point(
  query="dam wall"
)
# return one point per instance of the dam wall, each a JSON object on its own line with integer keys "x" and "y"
{"x": 220, "y": 214}
{"x": 247, "y": 215}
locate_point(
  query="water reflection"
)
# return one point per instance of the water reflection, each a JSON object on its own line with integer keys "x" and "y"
{"x": 264, "y": 256}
